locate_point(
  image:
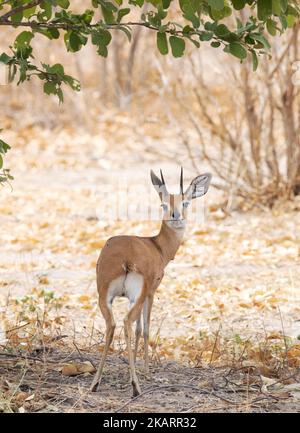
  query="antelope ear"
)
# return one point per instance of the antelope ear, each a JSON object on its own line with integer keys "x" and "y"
{"x": 158, "y": 184}
{"x": 199, "y": 186}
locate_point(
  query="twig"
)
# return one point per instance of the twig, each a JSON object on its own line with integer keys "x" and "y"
{"x": 79, "y": 351}
{"x": 44, "y": 348}
{"x": 33, "y": 358}
{"x": 282, "y": 380}
{"x": 283, "y": 334}
{"x": 17, "y": 327}
{"x": 82, "y": 357}
{"x": 215, "y": 345}
{"x": 240, "y": 405}
{"x": 159, "y": 388}
{"x": 285, "y": 51}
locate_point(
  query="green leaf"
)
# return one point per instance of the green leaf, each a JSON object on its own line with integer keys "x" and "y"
{"x": 108, "y": 5}
{"x": 54, "y": 33}
{"x": 127, "y": 32}
{"x": 23, "y": 39}
{"x": 162, "y": 43}
{"x": 50, "y": 88}
{"x": 60, "y": 95}
{"x": 166, "y": 3}
{"x": 87, "y": 16}
{"x": 215, "y": 44}
{"x": 222, "y": 30}
{"x": 4, "y": 147}
{"x": 290, "y": 19}
{"x": 276, "y": 7}
{"x": 122, "y": 13}
{"x": 187, "y": 29}
{"x": 264, "y": 9}
{"x": 72, "y": 82}
{"x": 271, "y": 27}
{"x": 216, "y": 4}
{"x": 101, "y": 38}
{"x": 108, "y": 16}
{"x": 283, "y": 21}
{"x": 283, "y": 5}
{"x": 55, "y": 69}
{"x": 237, "y": 50}
{"x": 254, "y": 60}
{"x": 108, "y": 10}
{"x": 50, "y": 33}
{"x": 74, "y": 40}
{"x": 260, "y": 38}
{"x": 28, "y": 12}
{"x": 239, "y": 4}
{"x": 206, "y": 36}
{"x": 63, "y": 3}
{"x": 196, "y": 43}
{"x": 177, "y": 46}
{"x": 47, "y": 11}
{"x": 217, "y": 15}
{"x": 210, "y": 26}
{"x": 4, "y": 58}
{"x": 17, "y": 18}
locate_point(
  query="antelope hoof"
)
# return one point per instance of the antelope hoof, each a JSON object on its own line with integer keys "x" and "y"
{"x": 94, "y": 387}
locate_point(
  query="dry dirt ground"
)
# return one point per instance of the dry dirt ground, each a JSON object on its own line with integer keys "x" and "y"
{"x": 230, "y": 300}
{"x": 169, "y": 387}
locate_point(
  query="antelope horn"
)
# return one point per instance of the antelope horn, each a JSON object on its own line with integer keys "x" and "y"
{"x": 162, "y": 178}
{"x": 181, "y": 181}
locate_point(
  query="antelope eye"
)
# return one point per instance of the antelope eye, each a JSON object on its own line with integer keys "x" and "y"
{"x": 164, "y": 206}
{"x": 185, "y": 203}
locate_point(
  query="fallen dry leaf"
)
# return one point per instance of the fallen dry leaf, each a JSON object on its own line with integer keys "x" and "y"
{"x": 77, "y": 368}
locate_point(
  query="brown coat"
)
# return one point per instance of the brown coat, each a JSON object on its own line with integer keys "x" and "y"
{"x": 147, "y": 256}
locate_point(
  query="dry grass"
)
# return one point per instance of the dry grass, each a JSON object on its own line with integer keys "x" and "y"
{"x": 36, "y": 384}
{"x": 44, "y": 370}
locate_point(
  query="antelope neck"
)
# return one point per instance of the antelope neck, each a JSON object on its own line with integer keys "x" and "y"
{"x": 168, "y": 241}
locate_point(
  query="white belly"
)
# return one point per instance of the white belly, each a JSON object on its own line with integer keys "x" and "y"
{"x": 129, "y": 285}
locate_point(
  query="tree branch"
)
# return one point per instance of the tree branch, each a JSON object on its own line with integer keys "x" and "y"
{"x": 19, "y": 9}
{"x": 65, "y": 26}
{"x": 112, "y": 26}
{"x": 5, "y": 2}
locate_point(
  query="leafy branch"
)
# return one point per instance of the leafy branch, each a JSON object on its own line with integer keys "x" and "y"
{"x": 5, "y": 175}
{"x": 200, "y": 21}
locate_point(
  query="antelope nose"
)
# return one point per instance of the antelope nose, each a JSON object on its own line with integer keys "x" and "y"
{"x": 175, "y": 215}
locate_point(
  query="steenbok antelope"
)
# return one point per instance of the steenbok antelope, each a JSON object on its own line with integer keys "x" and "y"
{"x": 133, "y": 266}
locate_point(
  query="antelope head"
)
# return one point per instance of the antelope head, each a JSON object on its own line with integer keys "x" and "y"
{"x": 175, "y": 206}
